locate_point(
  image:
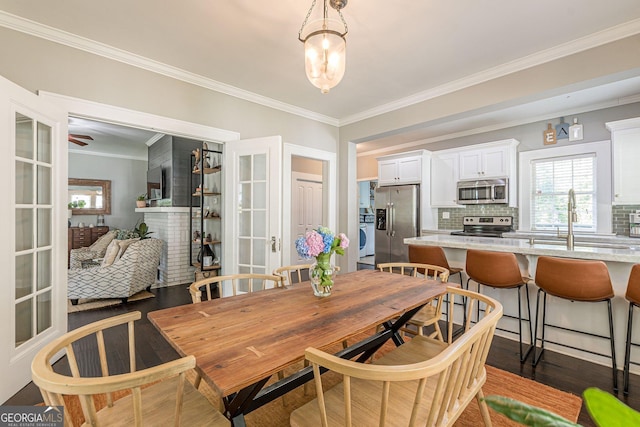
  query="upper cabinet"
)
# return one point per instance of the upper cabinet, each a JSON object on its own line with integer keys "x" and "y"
{"x": 400, "y": 169}
{"x": 625, "y": 142}
{"x": 412, "y": 167}
{"x": 490, "y": 160}
{"x": 445, "y": 173}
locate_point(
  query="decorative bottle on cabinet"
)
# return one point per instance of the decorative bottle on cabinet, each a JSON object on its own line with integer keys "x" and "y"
{"x": 206, "y": 207}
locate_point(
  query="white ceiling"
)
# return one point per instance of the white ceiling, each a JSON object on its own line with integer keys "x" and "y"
{"x": 396, "y": 51}
{"x": 111, "y": 139}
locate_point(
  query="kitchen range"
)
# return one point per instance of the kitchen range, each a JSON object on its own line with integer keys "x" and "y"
{"x": 485, "y": 226}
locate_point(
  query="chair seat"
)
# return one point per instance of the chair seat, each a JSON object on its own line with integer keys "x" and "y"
{"x": 428, "y": 315}
{"x": 417, "y": 349}
{"x": 196, "y": 411}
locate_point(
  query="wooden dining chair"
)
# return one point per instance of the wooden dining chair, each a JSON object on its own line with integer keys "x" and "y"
{"x": 292, "y": 274}
{"x": 239, "y": 284}
{"x": 411, "y": 385}
{"x": 431, "y": 313}
{"x": 159, "y": 395}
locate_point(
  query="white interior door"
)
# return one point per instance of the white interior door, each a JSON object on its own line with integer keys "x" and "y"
{"x": 253, "y": 236}
{"x": 306, "y": 208}
{"x": 33, "y": 166}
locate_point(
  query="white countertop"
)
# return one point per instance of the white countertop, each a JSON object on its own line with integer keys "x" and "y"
{"x": 624, "y": 250}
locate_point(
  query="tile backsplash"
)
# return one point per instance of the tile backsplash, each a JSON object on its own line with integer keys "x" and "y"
{"x": 455, "y": 215}
{"x": 619, "y": 216}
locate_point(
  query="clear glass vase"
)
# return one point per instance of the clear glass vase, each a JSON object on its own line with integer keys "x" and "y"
{"x": 321, "y": 275}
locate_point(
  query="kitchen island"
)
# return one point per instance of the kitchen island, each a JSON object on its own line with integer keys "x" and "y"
{"x": 618, "y": 254}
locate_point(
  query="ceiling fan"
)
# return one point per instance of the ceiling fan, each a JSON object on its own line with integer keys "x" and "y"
{"x": 75, "y": 138}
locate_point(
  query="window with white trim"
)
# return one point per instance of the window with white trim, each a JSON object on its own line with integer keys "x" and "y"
{"x": 551, "y": 180}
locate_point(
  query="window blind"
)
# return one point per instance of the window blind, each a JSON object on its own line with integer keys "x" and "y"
{"x": 552, "y": 179}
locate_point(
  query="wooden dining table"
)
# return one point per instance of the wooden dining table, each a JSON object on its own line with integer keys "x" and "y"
{"x": 240, "y": 342}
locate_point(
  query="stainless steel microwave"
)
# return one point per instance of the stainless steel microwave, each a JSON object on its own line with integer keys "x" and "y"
{"x": 479, "y": 192}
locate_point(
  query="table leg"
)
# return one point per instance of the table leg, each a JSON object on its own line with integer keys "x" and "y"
{"x": 238, "y": 403}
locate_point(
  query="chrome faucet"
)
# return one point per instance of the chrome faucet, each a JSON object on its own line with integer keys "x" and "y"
{"x": 572, "y": 217}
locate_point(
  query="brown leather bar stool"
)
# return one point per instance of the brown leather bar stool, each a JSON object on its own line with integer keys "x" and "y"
{"x": 633, "y": 296}
{"x": 500, "y": 270}
{"x": 574, "y": 280}
{"x": 434, "y": 255}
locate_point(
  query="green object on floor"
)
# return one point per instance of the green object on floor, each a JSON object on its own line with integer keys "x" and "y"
{"x": 526, "y": 414}
{"x": 604, "y": 408}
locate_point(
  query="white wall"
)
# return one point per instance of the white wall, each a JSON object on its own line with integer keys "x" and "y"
{"x": 128, "y": 179}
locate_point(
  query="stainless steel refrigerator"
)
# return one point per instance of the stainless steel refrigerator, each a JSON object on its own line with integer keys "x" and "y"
{"x": 397, "y": 210}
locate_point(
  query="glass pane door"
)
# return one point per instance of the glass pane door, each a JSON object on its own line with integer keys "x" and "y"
{"x": 254, "y": 181}
{"x": 33, "y": 228}
{"x": 252, "y": 214}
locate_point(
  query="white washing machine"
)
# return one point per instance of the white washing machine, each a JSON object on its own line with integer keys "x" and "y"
{"x": 370, "y": 246}
{"x": 363, "y": 239}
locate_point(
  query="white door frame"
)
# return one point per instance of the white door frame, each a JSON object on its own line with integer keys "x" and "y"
{"x": 122, "y": 116}
{"x": 329, "y": 189}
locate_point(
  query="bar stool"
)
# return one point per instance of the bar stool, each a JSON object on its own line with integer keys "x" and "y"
{"x": 434, "y": 255}
{"x": 500, "y": 270}
{"x": 574, "y": 280}
{"x": 633, "y": 296}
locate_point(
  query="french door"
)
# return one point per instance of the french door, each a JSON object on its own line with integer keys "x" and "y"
{"x": 33, "y": 171}
{"x": 253, "y": 209}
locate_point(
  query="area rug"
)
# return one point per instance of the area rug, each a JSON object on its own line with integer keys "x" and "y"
{"x": 92, "y": 304}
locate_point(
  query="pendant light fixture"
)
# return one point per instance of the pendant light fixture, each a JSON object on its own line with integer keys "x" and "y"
{"x": 324, "y": 46}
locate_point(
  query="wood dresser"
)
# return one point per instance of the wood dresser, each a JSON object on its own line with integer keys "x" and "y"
{"x": 80, "y": 237}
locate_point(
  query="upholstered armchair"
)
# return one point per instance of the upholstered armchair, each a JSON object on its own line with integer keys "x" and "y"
{"x": 96, "y": 250}
{"x": 134, "y": 268}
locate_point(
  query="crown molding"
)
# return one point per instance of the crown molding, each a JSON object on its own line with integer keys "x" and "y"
{"x": 154, "y": 139}
{"x": 103, "y": 154}
{"x": 600, "y": 38}
{"x": 55, "y": 35}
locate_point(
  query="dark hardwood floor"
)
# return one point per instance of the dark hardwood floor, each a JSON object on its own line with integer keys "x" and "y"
{"x": 556, "y": 370}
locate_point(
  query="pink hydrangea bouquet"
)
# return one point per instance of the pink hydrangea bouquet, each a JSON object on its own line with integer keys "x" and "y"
{"x": 320, "y": 244}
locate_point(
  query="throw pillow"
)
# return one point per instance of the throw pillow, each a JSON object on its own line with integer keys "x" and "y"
{"x": 100, "y": 245}
{"x": 124, "y": 244}
{"x": 111, "y": 253}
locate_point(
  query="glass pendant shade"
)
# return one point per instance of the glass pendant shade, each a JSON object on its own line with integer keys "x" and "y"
{"x": 325, "y": 54}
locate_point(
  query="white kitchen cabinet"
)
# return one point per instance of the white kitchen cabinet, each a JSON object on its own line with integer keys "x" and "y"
{"x": 445, "y": 173}
{"x": 413, "y": 167}
{"x": 491, "y": 162}
{"x": 405, "y": 169}
{"x": 625, "y": 140}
